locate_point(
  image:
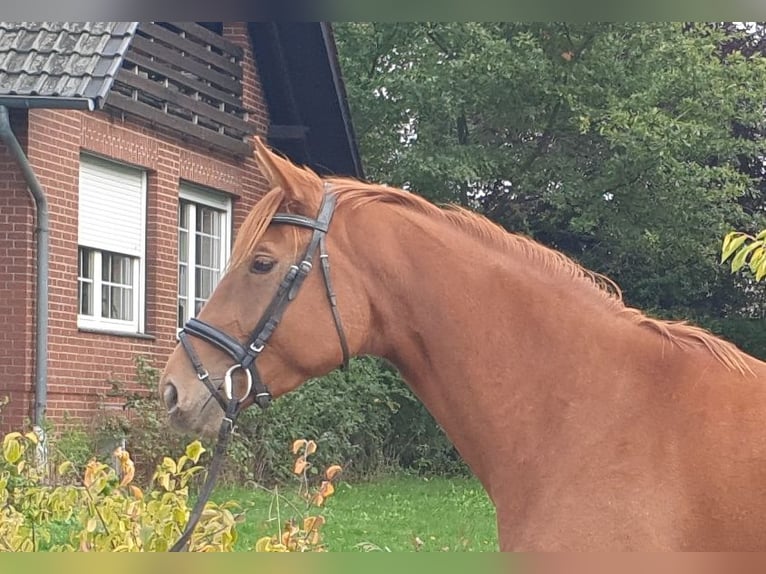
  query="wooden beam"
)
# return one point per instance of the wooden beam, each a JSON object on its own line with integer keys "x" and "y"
{"x": 176, "y": 76}
{"x": 177, "y": 60}
{"x": 278, "y": 132}
{"x": 182, "y": 100}
{"x": 211, "y": 38}
{"x": 213, "y": 139}
{"x": 193, "y": 48}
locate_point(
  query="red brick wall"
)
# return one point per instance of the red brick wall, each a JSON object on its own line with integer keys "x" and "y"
{"x": 81, "y": 363}
{"x": 17, "y": 252}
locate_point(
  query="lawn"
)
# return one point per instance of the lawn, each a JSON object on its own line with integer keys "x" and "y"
{"x": 402, "y": 513}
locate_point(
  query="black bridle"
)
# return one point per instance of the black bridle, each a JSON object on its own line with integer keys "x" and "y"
{"x": 245, "y": 355}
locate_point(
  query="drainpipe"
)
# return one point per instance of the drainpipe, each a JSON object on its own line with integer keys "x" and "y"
{"x": 41, "y": 349}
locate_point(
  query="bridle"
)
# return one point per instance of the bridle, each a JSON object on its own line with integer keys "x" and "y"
{"x": 245, "y": 355}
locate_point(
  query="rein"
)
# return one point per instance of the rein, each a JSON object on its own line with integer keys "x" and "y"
{"x": 245, "y": 355}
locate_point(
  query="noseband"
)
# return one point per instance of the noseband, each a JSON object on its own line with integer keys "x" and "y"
{"x": 245, "y": 355}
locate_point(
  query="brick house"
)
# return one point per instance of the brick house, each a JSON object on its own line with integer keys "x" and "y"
{"x": 139, "y": 137}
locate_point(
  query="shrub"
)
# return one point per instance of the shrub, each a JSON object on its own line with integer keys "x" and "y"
{"x": 103, "y": 511}
{"x": 367, "y": 418}
{"x": 303, "y": 533}
{"x": 142, "y": 424}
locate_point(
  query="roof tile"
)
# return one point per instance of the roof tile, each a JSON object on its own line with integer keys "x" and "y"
{"x": 65, "y": 59}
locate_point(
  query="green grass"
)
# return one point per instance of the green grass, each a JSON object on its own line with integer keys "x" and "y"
{"x": 388, "y": 514}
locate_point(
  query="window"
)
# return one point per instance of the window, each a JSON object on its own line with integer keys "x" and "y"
{"x": 204, "y": 222}
{"x": 110, "y": 258}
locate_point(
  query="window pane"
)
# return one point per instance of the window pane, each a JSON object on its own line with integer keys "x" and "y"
{"x": 205, "y": 217}
{"x": 85, "y": 281}
{"x": 183, "y": 214}
{"x": 183, "y": 280}
{"x": 85, "y": 263}
{"x": 119, "y": 302}
{"x": 183, "y": 245}
{"x": 106, "y": 301}
{"x": 86, "y": 298}
{"x": 116, "y": 268}
{"x": 183, "y": 311}
{"x": 117, "y": 286}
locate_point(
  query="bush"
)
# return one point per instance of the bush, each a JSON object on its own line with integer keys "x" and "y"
{"x": 142, "y": 424}
{"x": 102, "y": 511}
{"x": 367, "y": 418}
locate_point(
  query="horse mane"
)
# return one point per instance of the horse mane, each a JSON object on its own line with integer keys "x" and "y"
{"x": 356, "y": 194}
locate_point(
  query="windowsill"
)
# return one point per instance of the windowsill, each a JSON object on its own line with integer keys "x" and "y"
{"x": 95, "y": 331}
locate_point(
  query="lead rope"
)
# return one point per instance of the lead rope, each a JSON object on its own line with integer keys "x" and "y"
{"x": 224, "y": 436}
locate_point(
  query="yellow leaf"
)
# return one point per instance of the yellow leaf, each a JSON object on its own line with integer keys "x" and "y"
{"x": 91, "y": 524}
{"x": 136, "y": 492}
{"x": 326, "y": 489}
{"x": 32, "y": 437}
{"x": 127, "y": 467}
{"x": 317, "y": 499}
{"x": 313, "y": 523}
{"x": 300, "y": 465}
{"x": 195, "y": 450}
{"x": 314, "y": 538}
{"x": 731, "y": 242}
{"x": 169, "y": 464}
{"x": 65, "y": 467}
{"x": 333, "y": 471}
{"x": 298, "y": 444}
{"x": 90, "y": 473}
{"x": 311, "y": 447}
{"x": 12, "y": 450}
{"x": 740, "y": 258}
{"x": 263, "y": 544}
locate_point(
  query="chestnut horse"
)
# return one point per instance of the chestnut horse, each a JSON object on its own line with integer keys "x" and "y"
{"x": 591, "y": 425}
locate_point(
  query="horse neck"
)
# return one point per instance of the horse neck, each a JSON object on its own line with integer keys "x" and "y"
{"x": 482, "y": 336}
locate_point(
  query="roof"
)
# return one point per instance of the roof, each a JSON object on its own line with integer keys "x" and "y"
{"x": 60, "y": 64}
{"x": 302, "y": 82}
{"x": 74, "y": 64}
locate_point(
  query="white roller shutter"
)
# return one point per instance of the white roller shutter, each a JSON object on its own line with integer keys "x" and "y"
{"x": 111, "y": 206}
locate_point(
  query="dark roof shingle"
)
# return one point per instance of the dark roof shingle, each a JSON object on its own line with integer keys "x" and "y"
{"x": 73, "y": 60}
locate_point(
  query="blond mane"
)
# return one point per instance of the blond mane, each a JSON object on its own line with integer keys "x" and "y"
{"x": 357, "y": 194}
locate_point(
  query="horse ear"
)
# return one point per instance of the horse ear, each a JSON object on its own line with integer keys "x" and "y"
{"x": 286, "y": 175}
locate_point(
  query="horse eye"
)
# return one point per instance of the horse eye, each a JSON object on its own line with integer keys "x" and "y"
{"x": 262, "y": 265}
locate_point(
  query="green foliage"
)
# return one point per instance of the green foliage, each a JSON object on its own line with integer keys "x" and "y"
{"x": 747, "y": 333}
{"x": 366, "y": 418}
{"x": 103, "y": 511}
{"x": 622, "y": 144}
{"x": 142, "y": 422}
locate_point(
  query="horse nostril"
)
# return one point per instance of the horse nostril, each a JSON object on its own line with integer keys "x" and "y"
{"x": 170, "y": 397}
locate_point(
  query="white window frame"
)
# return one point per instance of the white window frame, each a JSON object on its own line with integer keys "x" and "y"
{"x": 215, "y": 199}
{"x": 96, "y": 322}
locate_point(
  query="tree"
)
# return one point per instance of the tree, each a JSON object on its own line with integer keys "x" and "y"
{"x": 620, "y": 144}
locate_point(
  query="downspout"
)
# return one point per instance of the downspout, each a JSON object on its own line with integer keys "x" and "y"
{"x": 42, "y": 232}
